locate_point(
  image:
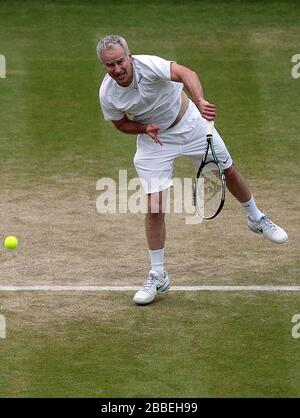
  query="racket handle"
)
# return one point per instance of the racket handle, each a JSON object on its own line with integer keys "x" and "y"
{"x": 210, "y": 127}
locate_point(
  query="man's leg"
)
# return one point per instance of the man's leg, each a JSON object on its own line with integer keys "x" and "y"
{"x": 156, "y": 230}
{"x": 155, "y": 221}
{"x": 238, "y": 186}
{"x": 158, "y": 280}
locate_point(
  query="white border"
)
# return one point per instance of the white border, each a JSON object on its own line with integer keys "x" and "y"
{"x": 55, "y": 288}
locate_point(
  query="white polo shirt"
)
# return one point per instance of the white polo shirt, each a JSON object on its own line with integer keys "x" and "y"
{"x": 152, "y": 97}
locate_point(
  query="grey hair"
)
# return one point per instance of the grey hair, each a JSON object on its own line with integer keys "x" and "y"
{"x": 109, "y": 42}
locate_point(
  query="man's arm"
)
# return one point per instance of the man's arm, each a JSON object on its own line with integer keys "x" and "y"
{"x": 130, "y": 127}
{"x": 192, "y": 83}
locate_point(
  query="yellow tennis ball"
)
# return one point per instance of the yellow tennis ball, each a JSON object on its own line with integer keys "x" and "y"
{"x": 11, "y": 242}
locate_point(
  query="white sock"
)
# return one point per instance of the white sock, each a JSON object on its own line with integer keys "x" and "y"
{"x": 157, "y": 260}
{"x": 253, "y": 212}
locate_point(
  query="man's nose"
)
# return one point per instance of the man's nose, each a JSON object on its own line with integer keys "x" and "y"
{"x": 118, "y": 69}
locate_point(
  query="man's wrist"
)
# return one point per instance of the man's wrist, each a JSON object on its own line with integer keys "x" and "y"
{"x": 144, "y": 128}
{"x": 131, "y": 127}
{"x": 198, "y": 100}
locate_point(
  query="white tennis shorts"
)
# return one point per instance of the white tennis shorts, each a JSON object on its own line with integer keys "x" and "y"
{"x": 154, "y": 163}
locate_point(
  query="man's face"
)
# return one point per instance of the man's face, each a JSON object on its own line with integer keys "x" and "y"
{"x": 117, "y": 65}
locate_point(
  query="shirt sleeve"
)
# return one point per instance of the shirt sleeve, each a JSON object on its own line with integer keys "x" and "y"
{"x": 159, "y": 68}
{"x": 109, "y": 113}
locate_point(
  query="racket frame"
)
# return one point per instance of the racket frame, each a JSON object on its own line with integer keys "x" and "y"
{"x": 209, "y": 140}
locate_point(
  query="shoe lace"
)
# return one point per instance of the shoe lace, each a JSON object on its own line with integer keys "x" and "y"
{"x": 149, "y": 282}
{"x": 268, "y": 223}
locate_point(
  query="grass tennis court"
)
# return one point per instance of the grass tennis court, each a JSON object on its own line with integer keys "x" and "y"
{"x": 54, "y": 146}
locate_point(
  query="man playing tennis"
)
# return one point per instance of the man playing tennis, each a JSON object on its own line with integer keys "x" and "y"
{"x": 143, "y": 95}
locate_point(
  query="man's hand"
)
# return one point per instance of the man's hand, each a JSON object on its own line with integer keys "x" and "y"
{"x": 152, "y": 130}
{"x": 207, "y": 110}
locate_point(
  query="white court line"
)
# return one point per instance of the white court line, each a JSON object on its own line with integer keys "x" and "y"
{"x": 262, "y": 288}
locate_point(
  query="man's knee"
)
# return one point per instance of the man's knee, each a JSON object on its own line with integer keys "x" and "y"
{"x": 230, "y": 172}
{"x": 157, "y": 203}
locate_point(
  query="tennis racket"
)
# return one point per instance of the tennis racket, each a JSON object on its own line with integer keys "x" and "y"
{"x": 210, "y": 182}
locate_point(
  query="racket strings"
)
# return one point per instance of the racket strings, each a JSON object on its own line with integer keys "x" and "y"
{"x": 209, "y": 190}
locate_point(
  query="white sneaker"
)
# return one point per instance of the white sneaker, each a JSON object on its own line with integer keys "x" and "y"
{"x": 154, "y": 285}
{"x": 270, "y": 230}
